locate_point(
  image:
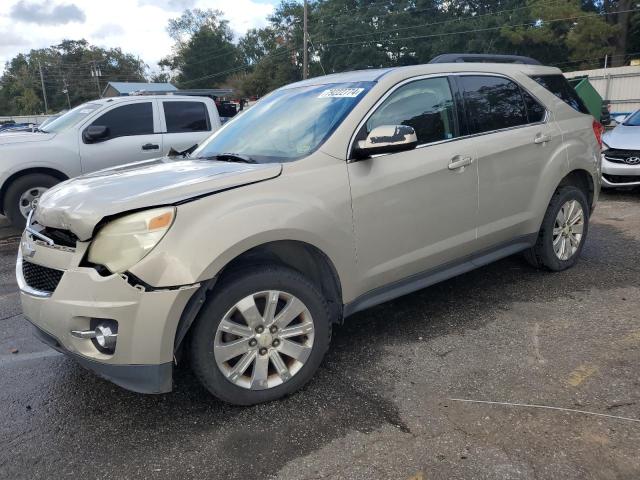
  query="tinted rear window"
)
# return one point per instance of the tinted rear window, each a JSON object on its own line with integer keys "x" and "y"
{"x": 535, "y": 111}
{"x": 492, "y": 103}
{"x": 559, "y": 86}
{"x": 186, "y": 117}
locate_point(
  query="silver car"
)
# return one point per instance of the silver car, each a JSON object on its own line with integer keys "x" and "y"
{"x": 621, "y": 153}
{"x": 327, "y": 197}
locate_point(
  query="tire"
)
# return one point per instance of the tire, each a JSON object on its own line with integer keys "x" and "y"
{"x": 21, "y": 185}
{"x": 543, "y": 254}
{"x": 218, "y": 377}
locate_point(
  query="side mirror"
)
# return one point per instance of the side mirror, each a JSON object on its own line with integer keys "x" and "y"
{"x": 387, "y": 139}
{"x": 95, "y": 133}
{"x": 619, "y": 118}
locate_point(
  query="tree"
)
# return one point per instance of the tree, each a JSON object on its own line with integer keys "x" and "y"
{"x": 66, "y": 67}
{"x": 204, "y": 54}
{"x": 354, "y": 34}
{"x": 619, "y": 15}
{"x": 563, "y": 31}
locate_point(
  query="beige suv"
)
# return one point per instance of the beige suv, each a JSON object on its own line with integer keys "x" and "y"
{"x": 327, "y": 197}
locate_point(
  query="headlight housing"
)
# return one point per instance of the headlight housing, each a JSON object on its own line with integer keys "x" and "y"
{"x": 125, "y": 241}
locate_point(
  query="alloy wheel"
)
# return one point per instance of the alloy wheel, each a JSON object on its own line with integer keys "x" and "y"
{"x": 29, "y": 199}
{"x": 568, "y": 230}
{"x": 264, "y": 340}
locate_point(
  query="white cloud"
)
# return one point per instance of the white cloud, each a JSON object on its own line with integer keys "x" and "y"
{"x": 138, "y": 27}
{"x": 45, "y": 13}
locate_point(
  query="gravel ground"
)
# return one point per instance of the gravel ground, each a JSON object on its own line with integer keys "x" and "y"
{"x": 383, "y": 404}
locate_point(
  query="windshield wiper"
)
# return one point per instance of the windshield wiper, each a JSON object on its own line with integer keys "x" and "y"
{"x": 231, "y": 157}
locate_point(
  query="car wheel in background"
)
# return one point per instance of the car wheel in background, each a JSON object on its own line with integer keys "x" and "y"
{"x": 23, "y": 193}
{"x": 261, "y": 336}
{"x": 563, "y": 232}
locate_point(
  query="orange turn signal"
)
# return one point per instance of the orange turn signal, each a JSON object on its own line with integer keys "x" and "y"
{"x": 161, "y": 221}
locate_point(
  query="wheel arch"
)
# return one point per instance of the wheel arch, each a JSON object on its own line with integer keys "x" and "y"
{"x": 301, "y": 256}
{"x": 22, "y": 173}
{"x": 583, "y": 180}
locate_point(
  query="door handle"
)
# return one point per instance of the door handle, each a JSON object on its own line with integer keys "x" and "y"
{"x": 150, "y": 146}
{"x": 542, "y": 138}
{"x": 460, "y": 162}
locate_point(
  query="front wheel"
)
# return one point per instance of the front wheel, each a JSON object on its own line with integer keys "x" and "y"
{"x": 261, "y": 336}
{"x": 23, "y": 194}
{"x": 563, "y": 232}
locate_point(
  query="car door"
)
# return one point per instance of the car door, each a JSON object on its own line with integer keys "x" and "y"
{"x": 518, "y": 141}
{"x": 186, "y": 123}
{"x": 133, "y": 134}
{"x": 414, "y": 210}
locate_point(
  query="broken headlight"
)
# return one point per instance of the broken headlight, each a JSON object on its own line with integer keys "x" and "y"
{"x": 125, "y": 241}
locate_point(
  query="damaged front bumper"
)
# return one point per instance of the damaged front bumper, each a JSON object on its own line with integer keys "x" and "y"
{"x": 59, "y": 296}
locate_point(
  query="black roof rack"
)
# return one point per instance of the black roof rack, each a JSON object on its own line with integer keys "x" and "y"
{"x": 483, "y": 58}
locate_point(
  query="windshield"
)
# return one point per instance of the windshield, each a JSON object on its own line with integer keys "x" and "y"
{"x": 286, "y": 125}
{"x": 70, "y": 118}
{"x": 633, "y": 120}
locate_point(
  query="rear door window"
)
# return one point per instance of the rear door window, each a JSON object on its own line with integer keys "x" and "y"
{"x": 426, "y": 105}
{"x": 535, "y": 111}
{"x": 560, "y": 87}
{"x": 492, "y": 103}
{"x": 127, "y": 120}
{"x": 186, "y": 116}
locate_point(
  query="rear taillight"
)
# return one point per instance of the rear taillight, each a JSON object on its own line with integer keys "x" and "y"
{"x": 598, "y": 130}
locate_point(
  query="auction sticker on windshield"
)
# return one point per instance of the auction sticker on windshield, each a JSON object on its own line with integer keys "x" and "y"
{"x": 341, "y": 93}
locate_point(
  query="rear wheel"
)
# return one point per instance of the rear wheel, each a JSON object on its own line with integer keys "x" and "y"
{"x": 23, "y": 194}
{"x": 563, "y": 231}
{"x": 261, "y": 336}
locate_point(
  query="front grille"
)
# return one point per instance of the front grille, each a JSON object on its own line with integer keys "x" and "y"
{"x": 41, "y": 278}
{"x": 61, "y": 237}
{"x": 621, "y": 178}
{"x": 620, "y": 156}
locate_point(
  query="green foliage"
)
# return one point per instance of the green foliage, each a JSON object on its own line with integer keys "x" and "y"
{"x": 579, "y": 36}
{"x": 204, "y": 52}
{"x": 343, "y": 35}
{"x": 66, "y": 66}
{"x": 354, "y": 34}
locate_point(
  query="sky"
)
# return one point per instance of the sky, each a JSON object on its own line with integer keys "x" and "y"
{"x": 136, "y": 26}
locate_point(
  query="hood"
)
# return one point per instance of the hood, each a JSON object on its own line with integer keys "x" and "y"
{"x": 80, "y": 203}
{"x": 623, "y": 137}
{"x": 7, "y": 138}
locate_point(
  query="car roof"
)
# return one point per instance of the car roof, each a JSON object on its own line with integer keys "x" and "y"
{"x": 396, "y": 73}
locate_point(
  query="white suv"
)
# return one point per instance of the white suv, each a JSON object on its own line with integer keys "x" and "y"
{"x": 98, "y": 134}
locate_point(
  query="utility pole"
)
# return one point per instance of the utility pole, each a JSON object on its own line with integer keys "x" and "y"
{"x": 95, "y": 72}
{"x": 66, "y": 91}
{"x": 44, "y": 92}
{"x": 305, "y": 53}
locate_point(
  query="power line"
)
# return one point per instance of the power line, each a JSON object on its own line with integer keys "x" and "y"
{"x": 453, "y": 20}
{"x": 385, "y": 31}
{"x": 487, "y": 29}
{"x": 243, "y": 67}
{"x": 415, "y": 37}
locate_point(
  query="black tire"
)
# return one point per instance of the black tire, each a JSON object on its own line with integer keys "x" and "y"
{"x": 233, "y": 288}
{"x": 17, "y": 188}
{"x": 542, "y": 254}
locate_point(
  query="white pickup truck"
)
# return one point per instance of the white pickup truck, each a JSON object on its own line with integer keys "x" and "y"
{"x": 96, "y": 135}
